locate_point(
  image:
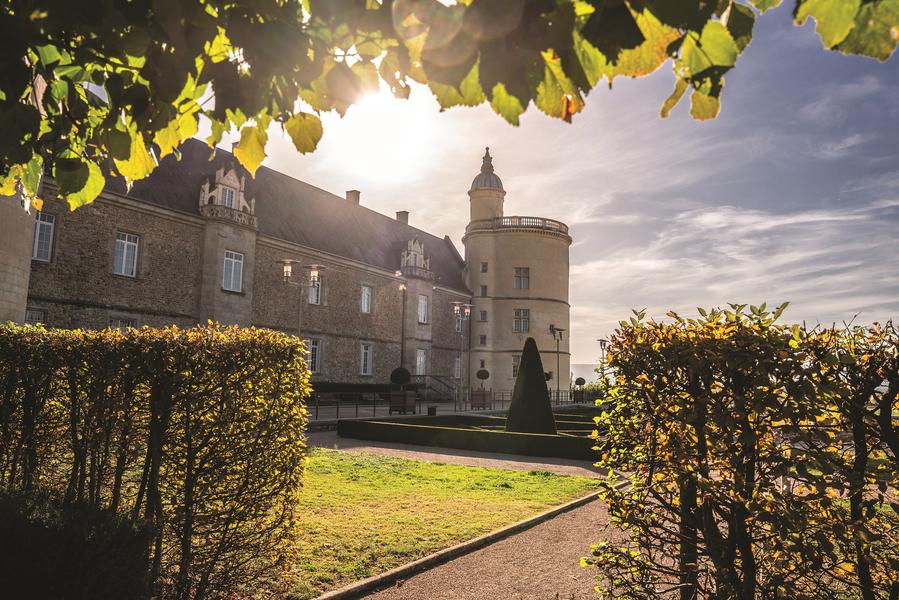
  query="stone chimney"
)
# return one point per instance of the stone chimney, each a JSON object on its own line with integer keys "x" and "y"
{"x": 402, "y": 216}
{"x": 353, "y": 196}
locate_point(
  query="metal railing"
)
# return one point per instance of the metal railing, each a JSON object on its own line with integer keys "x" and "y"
{"x": 518, "y": 223}
{"x": 346, "y": 405}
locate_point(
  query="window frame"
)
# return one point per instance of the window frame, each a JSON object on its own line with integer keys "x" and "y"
{"x": 314, "y": 355}
{"x": 521, "y": 320}
{"x": 483, "y": 291}
{"x": 424, "y": 309}
{"x": 232, "y": 197}
{"x": 31, "y": 321}
{"x": 421, "y": 361}
{"x": 314, "y": 299}
{"x": 366, "y": 359}
{"x": 482, "y": 339}
{"x": 482, "y": 316}
{"x": 125, "y": 243}
{"x": 121, "y": 323}
{"x": 516, "y": 365}
{"x": 366, "y": 301}
{"x": 43, "y": 220}
{"x": 522, "y": 278}
{"x": 484, "y": 267}
{"x": 234, "y": 261}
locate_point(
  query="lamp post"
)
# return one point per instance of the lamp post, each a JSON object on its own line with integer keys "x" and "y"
{"x": 462, "y": 313}
{"x": 311, "y": 277}
{"x": 557, "y": 335}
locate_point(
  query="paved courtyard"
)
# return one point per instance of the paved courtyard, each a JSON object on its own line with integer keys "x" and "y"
{"x": 541, "y": 563}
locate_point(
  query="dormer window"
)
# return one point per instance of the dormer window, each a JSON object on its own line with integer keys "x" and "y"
{"x": 227, "y": 197}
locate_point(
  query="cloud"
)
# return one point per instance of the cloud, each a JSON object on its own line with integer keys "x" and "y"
{"x": 835, "y": 102}
{"x": 832, "y": 264}
{"x": 836, "y": 149}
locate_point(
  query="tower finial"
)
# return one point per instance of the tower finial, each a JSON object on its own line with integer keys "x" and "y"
{"x": 487, "y": 165}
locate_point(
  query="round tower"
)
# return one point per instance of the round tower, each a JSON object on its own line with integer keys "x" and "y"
{"x": 517, "y": 270}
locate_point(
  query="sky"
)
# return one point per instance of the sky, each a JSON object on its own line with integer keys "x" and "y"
{"x": 791, "y": 194}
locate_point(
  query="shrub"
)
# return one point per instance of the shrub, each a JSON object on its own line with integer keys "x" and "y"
{"x": 50, "y": 549}
{"x": 760, "y": 458}
{"x": 400, "y": 376}
{"x": 198, "y": 433}
{"x": 530, "y": 410}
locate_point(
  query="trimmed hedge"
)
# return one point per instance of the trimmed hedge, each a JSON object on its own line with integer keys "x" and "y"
{"x": 530, "y": 410}
{"x": 196, "y": 434}
{"x": 437, "y": 431}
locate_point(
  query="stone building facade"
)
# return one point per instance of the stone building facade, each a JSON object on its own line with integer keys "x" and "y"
{"x": 200, "y": 240}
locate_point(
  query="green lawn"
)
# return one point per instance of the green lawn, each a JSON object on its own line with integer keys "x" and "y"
{"x": 362, "y": 514}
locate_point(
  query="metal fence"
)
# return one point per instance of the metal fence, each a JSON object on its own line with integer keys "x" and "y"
{"x": 346, "y": 405}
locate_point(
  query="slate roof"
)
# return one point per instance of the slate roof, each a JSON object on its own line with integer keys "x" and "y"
{"x": 295, "y": 211}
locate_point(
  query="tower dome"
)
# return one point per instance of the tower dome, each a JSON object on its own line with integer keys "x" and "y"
{"x": 487, "y": 178}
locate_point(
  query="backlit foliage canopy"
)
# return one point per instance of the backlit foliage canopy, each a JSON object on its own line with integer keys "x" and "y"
{"x": 96, "y": 89}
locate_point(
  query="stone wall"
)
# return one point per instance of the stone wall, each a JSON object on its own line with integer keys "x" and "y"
{"x": 78, "y": 288}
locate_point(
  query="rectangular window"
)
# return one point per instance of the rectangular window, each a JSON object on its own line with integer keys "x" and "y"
{"x": 125, "y": 260}
{"x": 314, "y": 355}
{"x": 421, "y": 361}
{"x": 522, "y": 278}
{"x": 366, "y": 299}
{"x": 365, "y": 358}
{"x": 423, "y": 312}
{"x": 315, "y": 291}
{"x": 482, "y": 340}
{"x": 483, "y": 290}
{"x": 483, "y": 267}
{"x": 43, "y": 237}
{"x": 457, "y": 368}
{"x": 33, "y": 316}
{"x": 515, "y": 361}
{"x": 482, "y": 315}
{"x": 483, "y": 363}
{"x": 521, "y": 322}
{"x": 232, "y": 271}
{"x": 228, "y": 197}
{"x": 121, "y": 324}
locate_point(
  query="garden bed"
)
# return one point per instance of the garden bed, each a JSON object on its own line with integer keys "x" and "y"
{"x": 363, "y": 514}
{"x": 481, "y": 433}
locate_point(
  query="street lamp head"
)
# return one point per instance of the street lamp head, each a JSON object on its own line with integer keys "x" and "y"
{"x": 315, "y": 272}
{"x": 287, "y": 268}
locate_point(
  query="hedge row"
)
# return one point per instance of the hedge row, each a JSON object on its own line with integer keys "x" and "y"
{"x": 195, "y": 434}
{"x": 437, "y": 431}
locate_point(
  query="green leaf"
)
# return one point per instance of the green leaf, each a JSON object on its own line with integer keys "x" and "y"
{"x": 713, "y": 48}
{"x": 469, "y": 92}
{"x": 179, "y": 129}
{"x": 250, "y": 149}
{"x": 648, "y": 56}
{"x": 765, "y": 5}
{"x": 505, "y": 105}
{"x": 740, "y": 23}
{"x": 557, "y": 96}
{"x": 680, "y": 86}
{"x": 834, "y": 18}
{"x": 305, "y": 130}
{"x": 876, "y": 31}
{"x": 139, "y": 162}
{"x": 79, "y": 181}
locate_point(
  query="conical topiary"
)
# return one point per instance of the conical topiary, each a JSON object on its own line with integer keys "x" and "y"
{"x": 530, "y": 410}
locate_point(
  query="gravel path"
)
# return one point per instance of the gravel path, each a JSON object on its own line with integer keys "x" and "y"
{"x": 329, "y": 439}
{"x": 537, "y": 564}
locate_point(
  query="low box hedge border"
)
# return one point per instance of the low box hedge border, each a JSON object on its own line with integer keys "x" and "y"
{"x": 436, "y": 431}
